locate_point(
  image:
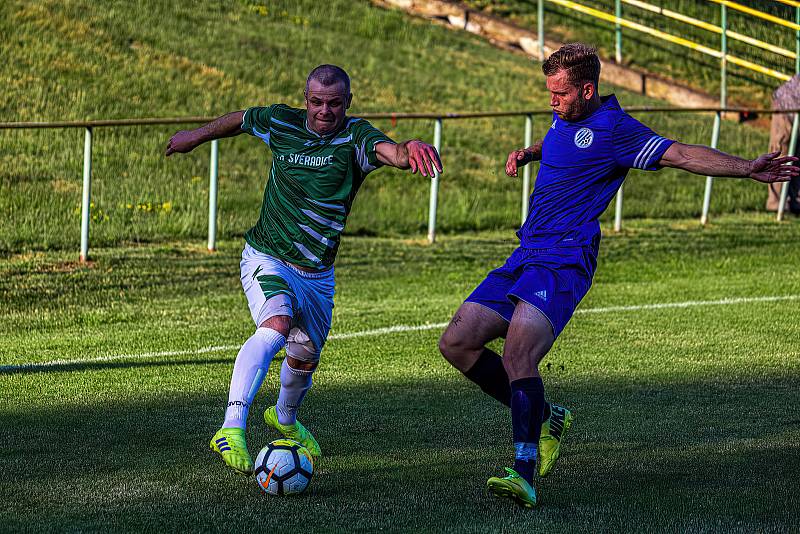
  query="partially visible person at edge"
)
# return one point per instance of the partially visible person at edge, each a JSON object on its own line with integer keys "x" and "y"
{"x": 585, "y": 156}
{"x": 320, "y": 158}
{"x": 787, "y": 96}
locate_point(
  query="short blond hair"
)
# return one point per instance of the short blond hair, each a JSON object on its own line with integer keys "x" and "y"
{"x": 578, "y": 59}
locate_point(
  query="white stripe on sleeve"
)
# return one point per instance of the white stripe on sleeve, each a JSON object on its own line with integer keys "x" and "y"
{"x": 652, "y": 153}
{"x": 643, "y": 150}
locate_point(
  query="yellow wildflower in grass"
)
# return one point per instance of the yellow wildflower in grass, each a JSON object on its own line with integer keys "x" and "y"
{"x": 96, "y": 213}
{"x": 261, "y": 10}
{"x": 149, "y": 207}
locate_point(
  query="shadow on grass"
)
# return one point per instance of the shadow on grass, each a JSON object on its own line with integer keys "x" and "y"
{"x": 412, "y": 456}
{"x": 71, "y": 367}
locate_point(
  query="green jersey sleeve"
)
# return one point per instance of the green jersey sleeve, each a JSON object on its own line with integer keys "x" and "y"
{"x": 366, "y": 137}
{"x": 257, "y": 120}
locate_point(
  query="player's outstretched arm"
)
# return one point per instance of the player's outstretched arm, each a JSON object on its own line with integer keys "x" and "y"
{"x": 707, "y": 161}
{"x": 412, "y": 154}
{"x": 523, "y": 156}
{"x": 225, "y": 126}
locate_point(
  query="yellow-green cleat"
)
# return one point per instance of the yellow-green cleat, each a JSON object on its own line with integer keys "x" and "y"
{"x": 296, "y": 432}
{"x": 230, "y": 444}
{"x": 514, "y": 487}
{"x": 553, "y": 431}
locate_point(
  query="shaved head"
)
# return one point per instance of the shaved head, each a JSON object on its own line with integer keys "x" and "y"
{"x": 329, "y": 75}
{"x": 327, "y": 98}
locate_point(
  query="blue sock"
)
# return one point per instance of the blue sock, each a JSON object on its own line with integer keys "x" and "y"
{"x": 490, "y": 375}
{"x": 527, "y": 408}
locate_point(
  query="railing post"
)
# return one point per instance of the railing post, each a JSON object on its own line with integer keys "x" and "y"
{"x": 793, "y": 139}
{"x": 212, "y": 196}
{"x": 526, "y": 170}
{"x": 86, "y": 195}
{"x": 618, "y": 209}
{"x": 723, "y": 88}
{"x": 618, "y": 32}
{"x": 797, "y": 41}
{"x": 540, "y": 28}
{"x": 709, "y": 179}
{"x": 785, "y": 186}
{"x": 437, "y": 143}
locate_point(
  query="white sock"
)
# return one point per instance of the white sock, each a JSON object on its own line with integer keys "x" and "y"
{"x": 295, "y": 383}
{"x": 249, "y": 371}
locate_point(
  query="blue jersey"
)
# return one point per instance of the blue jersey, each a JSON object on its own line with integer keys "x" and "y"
{"x": 583, "y": 165}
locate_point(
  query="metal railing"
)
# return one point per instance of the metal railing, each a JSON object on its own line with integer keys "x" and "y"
{"x": 438, "y": 118}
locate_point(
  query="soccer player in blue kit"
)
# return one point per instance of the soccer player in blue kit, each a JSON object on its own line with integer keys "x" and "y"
{"x": 585, "y": 156}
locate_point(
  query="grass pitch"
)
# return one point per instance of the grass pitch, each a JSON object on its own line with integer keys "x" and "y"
{"x": 686, "y": 417}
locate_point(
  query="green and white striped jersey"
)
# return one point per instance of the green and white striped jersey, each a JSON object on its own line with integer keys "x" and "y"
{"x": 312, "y": 183}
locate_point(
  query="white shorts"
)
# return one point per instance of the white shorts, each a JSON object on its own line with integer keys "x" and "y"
{"x": 273, "y": 287}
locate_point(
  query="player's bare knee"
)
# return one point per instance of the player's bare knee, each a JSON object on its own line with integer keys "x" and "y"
{"x": 541, "y": 347}
{"x": 532, "y": 350}
{"x": 446, "y": 345}
{"x": 301, "y": 365}
{"x": 279, "y": 323}
{"x": 457, "y": 350}
{"x": 452, "y": 353}
{"x": 519, "y": 365}
{"x": 521, "y": 357}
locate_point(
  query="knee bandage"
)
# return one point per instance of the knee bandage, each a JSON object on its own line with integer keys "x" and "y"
{"x": 300, "y": 347}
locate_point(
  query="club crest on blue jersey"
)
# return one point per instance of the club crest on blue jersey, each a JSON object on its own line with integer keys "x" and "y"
{"x": 584, "y": 138}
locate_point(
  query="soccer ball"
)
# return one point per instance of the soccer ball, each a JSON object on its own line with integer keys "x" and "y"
{"x": 284, "y": 467}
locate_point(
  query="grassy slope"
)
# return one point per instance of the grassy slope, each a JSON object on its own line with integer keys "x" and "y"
{"x": 684, "y": 415}
{"x": 69, "y": 60}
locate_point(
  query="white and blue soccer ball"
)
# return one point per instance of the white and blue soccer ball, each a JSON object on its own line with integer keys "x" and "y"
{"x": 284, "y": 467}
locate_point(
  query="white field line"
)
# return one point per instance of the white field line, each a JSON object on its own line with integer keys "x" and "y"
{"x": 385, "y": 330}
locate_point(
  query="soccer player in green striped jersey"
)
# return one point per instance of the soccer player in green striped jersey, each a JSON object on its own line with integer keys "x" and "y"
{"x": 320, "y": 158}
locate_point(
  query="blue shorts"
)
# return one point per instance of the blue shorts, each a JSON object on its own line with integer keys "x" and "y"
{"x": 552, "y": 280}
